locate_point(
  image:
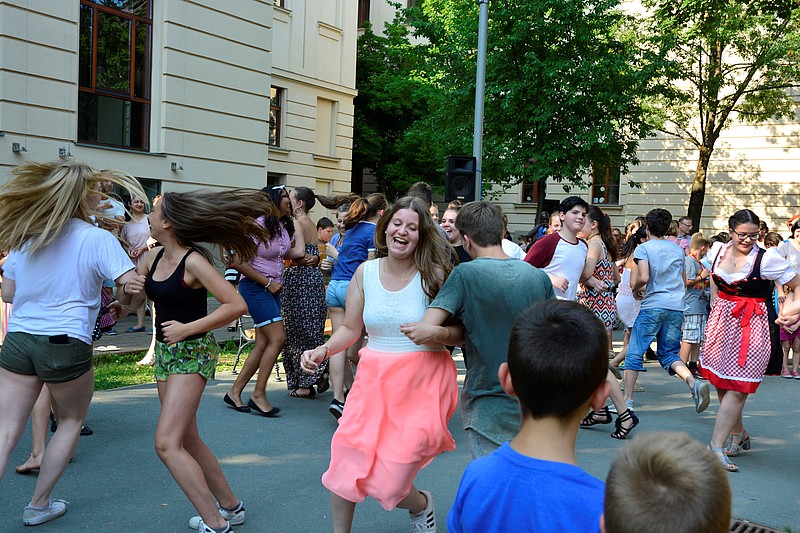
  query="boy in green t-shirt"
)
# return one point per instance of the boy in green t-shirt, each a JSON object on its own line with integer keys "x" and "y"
{"x": 486, "y": 294}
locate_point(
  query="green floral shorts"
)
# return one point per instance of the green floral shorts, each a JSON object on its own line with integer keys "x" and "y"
{"x": 198, "y": 356}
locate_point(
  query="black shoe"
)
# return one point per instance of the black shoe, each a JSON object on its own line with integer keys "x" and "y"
{"x": 53, "y": 423}
{"x": 336, "y": 408}
{"x": 86, "y": 430}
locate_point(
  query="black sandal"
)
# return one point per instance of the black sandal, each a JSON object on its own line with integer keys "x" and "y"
{"x": 603, "y": 416}
{"x": 310, "y": 396}
{"x": 621, "y": 431}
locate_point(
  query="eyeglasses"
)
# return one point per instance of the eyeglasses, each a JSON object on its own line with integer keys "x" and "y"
{"x": 278, "y": 187}
{"x": 745, "y": 236}
{"x": 685, "y": 224}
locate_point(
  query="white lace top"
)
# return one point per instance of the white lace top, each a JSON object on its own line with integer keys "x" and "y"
{"x": 385, "y": 311}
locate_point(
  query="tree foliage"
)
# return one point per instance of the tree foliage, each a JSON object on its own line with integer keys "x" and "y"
{"x": 565, "y": 89}
{"x": 723, "y": 60}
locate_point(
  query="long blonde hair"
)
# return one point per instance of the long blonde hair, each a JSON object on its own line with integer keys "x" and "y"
{"x": 41, "y": 198}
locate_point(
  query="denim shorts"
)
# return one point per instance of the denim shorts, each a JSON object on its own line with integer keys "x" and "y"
{"x": 662, "y": 326}
{"x": 263, "y": 306}
{"x": 337, "y": 293}
{"x": 38, "y": 355}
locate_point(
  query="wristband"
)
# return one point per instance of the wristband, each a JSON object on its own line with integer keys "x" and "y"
{"x": 123, "y": 289}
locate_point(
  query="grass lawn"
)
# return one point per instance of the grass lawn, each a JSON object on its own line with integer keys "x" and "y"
{"x": 112, "y": 371}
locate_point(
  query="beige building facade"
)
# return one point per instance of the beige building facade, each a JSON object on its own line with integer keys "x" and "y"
{"x": 183, "y": 94}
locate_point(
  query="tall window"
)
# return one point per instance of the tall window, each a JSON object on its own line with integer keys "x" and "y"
{"x": 605, "y": 184}
{"x": 363, "y": 11}
{"x": 115, "y": 48}
{"x": 275, "y": 119}
{"x": 530, "y": 192}
{"x": 280, "y": 3}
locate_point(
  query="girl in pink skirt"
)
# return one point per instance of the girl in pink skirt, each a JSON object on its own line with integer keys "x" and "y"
{"x": 404, "y": 394}
{"x": 737, "y": 345}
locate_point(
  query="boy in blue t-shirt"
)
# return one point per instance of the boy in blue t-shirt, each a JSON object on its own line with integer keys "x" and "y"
{"x": 660, "y": 268}
{"x": 557, "y": 365}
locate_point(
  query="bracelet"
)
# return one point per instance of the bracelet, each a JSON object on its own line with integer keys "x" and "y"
{"x": 123, "y": 289}
{"x": 269, "y": 282}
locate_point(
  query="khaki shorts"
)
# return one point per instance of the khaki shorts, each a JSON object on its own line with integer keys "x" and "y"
{"x": 52, "y": 358}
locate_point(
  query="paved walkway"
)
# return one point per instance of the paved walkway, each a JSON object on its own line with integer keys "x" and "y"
{"x": 117, "y": 483}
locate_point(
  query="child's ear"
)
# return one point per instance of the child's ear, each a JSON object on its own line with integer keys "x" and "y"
{"x": 599, "y": 396}
{"x": 504, "y": 376}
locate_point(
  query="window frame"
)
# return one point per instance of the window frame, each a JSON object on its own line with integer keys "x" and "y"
{"x": 610, "y": 178}
{"x": 280, "y": 93}
{"x": 535, "y": 187}
{"x": 146, "y": 83}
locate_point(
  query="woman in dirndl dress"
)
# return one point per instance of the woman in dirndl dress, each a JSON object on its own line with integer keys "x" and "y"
{"x": 737, "y": 345}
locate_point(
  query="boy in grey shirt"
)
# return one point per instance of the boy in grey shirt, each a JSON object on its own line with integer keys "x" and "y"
{"x": 695, "y": 302}
{"x": 660, "y": 267}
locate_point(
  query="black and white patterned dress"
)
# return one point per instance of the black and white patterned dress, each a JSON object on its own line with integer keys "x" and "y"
{"x": 304, "y": 311}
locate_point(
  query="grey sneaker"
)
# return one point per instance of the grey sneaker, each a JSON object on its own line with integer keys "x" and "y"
{"x": 234, "y": 518}
{"x": 700, "y": 395}
{"x": 629, "y": 405}
{"x": 203, "y": 528}
{"x": 425, "y": 520}
{"x": 33, "y": 516}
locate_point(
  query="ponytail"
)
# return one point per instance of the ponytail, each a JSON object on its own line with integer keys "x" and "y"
{"x": 364, "y": 208}
{"x": 595, "y": 214}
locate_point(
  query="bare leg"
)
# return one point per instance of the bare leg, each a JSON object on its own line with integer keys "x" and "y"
{"x": 683, "y": 372}
{"x": 211, "y": 469}
{"x": 414, "y": 502}
{"x": 268, "y": 344}
{"x": 40, "y": 416}
{"x": 151, "y": 351}
{"x": 140, "y": 314}
{"x": 629, "y": 378}
{"x": 686, "y": 349}
{"x": 620, "y": 357}
{"x": 18, "y": 394}
{"x": 180, "y": 398}
{"x": 338, "y": 360}
{"x": 342, "y": 511}
{"x": 795, "y": 354}
{"x": 71, "y": 402}
{"x": 729, "y": 417}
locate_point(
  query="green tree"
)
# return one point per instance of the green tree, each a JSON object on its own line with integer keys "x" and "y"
{"x": 724, "y": 60}
{"x": 392, "y": 96}
{"x": 565, "y": 86}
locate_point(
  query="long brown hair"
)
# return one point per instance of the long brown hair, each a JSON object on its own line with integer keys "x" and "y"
{"x": 433, "y": 253}
{"x": 364, "y": 208}
{"x": 596, "y": 214}
{"x": 226, "y": 217}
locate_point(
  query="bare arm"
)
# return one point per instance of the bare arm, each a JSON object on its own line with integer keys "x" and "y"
{"x": 298, "y": 249}
{"x": 641, "y": 275}
{"x": 350, "y": 330}
{"x": 9, "y": 288}
{"x": 430, "y": 329}
{"x": 590, "y": 264}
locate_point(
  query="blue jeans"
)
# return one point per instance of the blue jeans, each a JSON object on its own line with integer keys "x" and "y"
{"x": 662, "y": 326}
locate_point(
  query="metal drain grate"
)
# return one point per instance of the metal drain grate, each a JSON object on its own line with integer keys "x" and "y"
{"x": 743, "y": 526}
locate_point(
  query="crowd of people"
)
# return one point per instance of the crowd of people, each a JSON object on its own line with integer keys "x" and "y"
{"x": 403, "y": 286}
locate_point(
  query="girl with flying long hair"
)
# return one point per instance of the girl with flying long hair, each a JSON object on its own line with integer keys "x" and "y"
{"x": 178, "y": 276}
{"x": 53, "y": 275}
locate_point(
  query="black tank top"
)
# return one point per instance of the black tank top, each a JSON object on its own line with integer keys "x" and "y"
{"x": 173, "y": 300}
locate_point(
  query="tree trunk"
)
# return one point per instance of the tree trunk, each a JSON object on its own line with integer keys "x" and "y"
{"x": 699, "y": 186}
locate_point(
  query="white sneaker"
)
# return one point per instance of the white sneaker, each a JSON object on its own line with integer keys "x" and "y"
{"x": 203, "y": 528}
{"x": 425, "y": 520}
{"x": 33, "y": 516}
{"x": 234, "y": 518}
{"x": 629, "y": 405}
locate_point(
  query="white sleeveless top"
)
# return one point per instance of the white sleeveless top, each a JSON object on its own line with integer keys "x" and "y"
{"x": 385, "y": 311}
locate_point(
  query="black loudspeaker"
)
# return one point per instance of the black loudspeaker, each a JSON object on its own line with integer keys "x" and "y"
{"x": 460, "y": 179}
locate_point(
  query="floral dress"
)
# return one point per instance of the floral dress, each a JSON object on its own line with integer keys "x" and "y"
{"x": 603, "y": 303}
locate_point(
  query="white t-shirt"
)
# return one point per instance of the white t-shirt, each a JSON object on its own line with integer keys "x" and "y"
{"x": 58, "y": 286}
{"x": 512, "y": 249}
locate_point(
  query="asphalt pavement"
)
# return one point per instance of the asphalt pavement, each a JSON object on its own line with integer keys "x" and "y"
{"x": 117, "y": 483}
